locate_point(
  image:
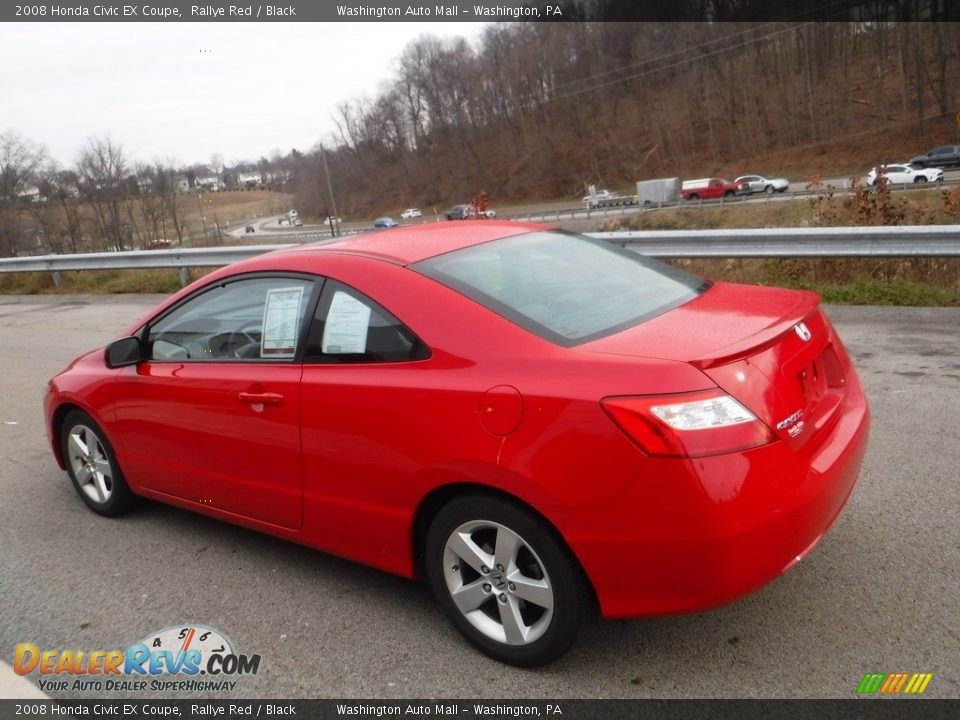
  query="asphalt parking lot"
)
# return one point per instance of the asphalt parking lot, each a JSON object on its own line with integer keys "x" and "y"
{"x": 881, "y": 593}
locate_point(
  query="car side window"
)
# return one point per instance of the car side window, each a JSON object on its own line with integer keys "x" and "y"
{"x": 245, "y": 320}
{"x": 349, "y": 327}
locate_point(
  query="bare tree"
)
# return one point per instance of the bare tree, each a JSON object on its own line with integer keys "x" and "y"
{"x": 166, "y": 176}
{"x": 102, "y": 168}
{"x": 20, "y": 160}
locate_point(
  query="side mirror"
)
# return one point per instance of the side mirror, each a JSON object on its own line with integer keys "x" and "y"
{"x": 123, "y": 352}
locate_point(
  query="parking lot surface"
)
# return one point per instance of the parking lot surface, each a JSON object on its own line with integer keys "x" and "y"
{"x": 881, "y": 593}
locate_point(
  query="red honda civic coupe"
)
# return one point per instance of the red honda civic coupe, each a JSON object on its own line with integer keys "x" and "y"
{"x": 537, "y": 422}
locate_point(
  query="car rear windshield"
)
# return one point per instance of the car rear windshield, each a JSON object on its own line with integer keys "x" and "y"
{"x": 565, "y": 288}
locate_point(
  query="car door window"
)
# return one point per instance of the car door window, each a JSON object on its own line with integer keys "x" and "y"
{"x": 349, "y": 327}
{"x": 246, "y": 320}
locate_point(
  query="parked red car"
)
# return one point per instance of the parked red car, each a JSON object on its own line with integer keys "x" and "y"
{"x": 534, "y": 421}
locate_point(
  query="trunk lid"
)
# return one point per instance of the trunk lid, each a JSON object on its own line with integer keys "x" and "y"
{"x": 772, "y": 350}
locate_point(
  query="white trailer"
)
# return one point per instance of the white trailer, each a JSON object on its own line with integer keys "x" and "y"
{"x": 658, "y": 192}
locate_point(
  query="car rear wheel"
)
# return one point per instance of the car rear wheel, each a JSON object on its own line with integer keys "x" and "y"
{"x": 769, "y": 189}
{"x": 728, "y": 194}
{"x": 505, "y": 580}
{"x": 92, "y": 466}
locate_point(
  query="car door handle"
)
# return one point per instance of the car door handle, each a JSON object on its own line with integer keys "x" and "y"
{"x": 261, "y": 398}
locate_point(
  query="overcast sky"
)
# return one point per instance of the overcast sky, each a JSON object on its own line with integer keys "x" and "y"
{"x": 259, "y": 87}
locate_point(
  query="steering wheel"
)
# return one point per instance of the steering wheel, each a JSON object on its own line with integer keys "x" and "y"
{"x": 245, "y": 345}
{"x": 239, "y": 343}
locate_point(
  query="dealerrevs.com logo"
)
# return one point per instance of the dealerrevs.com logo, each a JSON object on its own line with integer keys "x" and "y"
{"x": 182, "y": 658}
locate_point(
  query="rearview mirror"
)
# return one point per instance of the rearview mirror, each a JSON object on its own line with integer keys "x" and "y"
{"x": 123, "y": 352}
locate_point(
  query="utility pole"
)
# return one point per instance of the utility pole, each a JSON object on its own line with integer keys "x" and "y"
{"x": 203, "y": 220}
{"x": 334, "y": 225}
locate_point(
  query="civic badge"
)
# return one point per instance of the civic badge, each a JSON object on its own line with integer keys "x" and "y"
{"x": 793, "y": 425}
{"x": 803, "y": 331}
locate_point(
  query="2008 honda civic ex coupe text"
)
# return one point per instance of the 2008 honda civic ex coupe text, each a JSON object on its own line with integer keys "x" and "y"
{"x": 537, "y": 422}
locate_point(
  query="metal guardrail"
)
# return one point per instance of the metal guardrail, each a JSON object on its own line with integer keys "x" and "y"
{"x": 182, "y": 258}
{"x": 185, "y": 257}
{"x": 831, "y": 242}
{"x": 828, "y": 242}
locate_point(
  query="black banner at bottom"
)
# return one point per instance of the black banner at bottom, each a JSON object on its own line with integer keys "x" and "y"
{"x": 873, "y": 709}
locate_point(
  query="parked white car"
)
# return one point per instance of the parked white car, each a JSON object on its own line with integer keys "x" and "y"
{"x": 906, "y": 173}
{"x": 410, "y": 213}
{"x": 763, "y": 183}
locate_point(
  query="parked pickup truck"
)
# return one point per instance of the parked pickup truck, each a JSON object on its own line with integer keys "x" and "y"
{"x": 711, "y": 188}
{"x": 943, "y": 156}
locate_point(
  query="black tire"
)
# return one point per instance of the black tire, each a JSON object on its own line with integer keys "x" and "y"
{"x": 108, "y": 494}
{"x": 728, "y": 194}
{"x": 540, "y": 563}
{"x": 769, "y": 190}
{"x": 694, "y": 196}
{"x": 920, "y": 179}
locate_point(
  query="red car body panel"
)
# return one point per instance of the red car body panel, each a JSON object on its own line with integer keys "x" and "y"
{"x": 345, "y": 463}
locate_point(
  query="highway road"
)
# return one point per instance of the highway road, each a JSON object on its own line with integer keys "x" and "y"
{"x": 268, "y": 229}
{"x": 881, "y": 593}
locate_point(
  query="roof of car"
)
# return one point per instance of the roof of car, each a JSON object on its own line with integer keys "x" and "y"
{"x": 413, "y": 243}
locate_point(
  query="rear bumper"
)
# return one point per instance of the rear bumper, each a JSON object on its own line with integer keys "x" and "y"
{"x": 688, "y": 535}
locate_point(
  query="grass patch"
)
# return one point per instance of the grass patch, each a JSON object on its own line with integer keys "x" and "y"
{"x": 97, "y": 282}
{"x": 709, "y": 217}
{"x": 924, "y": 282}
{"x": 869, "y": 291}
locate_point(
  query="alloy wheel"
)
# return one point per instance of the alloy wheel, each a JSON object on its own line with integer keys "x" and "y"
{"x": 90, "y": 464}
{"x": 498, "y": 582}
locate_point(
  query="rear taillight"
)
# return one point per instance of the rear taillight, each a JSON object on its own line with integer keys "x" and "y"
{"x": 707, "y": 422}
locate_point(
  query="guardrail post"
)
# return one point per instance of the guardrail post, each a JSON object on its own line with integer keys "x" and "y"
{"x": 184, "y": 276}
{"x": 57, "y": 278}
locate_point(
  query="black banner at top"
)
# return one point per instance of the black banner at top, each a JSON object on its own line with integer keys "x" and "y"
{"x": 479, "y": 11}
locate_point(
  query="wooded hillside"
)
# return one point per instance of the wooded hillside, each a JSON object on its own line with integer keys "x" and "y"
{"x": 541, "y": 110}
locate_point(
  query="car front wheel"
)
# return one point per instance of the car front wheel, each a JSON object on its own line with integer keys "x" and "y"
{"x": 769, "y": 189}
{"x": 92, "y": 466}
{"x": 505, "y": 580}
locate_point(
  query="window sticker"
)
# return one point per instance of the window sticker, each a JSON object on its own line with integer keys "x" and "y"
{"x": 281, "y": 322}
{"x": 347, "y": 323}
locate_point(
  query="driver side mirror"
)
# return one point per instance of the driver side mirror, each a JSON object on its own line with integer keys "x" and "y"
{"x": 123, "y": 352}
